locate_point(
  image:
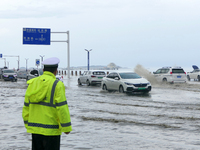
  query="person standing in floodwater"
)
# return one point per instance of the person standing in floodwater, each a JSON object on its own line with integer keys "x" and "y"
{"x": 45, "y": 111}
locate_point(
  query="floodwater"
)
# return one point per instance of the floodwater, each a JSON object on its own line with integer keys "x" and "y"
{"x": 166, "y": 118}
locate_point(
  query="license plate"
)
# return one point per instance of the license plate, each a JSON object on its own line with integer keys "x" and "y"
{"x": 100, "y": 77}
{"x": 141, "y": 88}
{"x": 10, "y": 77}
{"x": 178, "y": 76}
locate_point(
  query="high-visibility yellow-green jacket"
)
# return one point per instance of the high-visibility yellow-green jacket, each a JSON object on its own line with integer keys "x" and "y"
{"x": 45, "y": 109}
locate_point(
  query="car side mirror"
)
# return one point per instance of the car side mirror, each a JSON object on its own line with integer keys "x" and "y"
{"x": 116, "y": 78}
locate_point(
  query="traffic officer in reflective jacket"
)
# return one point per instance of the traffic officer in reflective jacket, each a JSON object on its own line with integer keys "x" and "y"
{"x": 45, "y": 111}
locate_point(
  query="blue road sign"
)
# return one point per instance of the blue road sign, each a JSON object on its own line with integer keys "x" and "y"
{"x": 1, "y": 55}
{"x": 37, "y": 62}
{"x": 36, "y": 36}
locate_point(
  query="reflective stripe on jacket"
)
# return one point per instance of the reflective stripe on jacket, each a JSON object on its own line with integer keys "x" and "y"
{"x": 45, "y": 109}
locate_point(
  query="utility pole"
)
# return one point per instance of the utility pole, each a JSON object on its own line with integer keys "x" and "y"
{"x": 4, "y": 62}
{"x": 42, "y": 60}
{"x": 8, "y": 64}
{"x": 88, "y": 51}
{"x": 26, "y": 63}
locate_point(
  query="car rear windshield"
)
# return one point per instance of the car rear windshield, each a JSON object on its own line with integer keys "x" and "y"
{"x": 178, "y": 71}
{"x": 8, "y": 71}
{"x": 129, "y": 75}
{"x": 99, "y": 73}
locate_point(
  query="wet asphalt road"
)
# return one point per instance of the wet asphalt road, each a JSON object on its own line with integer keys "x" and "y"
{"x": 166, "y": 118}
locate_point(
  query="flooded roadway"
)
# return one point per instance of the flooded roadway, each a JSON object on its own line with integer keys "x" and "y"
{"x": 167, "y": 118}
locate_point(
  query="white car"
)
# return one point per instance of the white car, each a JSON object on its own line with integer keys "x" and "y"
{"x": 195, "y": 74}
{"x": 9, "y": 75}
{"x": 91, "y": 77}
{"x": 128, "y": 82}
{"x": 38, "y": 72}
{"x": 170, "y": 74}
{"x": 34, "y": 73}
{"x": 22, "y": 74}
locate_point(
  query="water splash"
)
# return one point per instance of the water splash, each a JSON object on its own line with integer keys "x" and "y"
{"x": 140, "y": 70}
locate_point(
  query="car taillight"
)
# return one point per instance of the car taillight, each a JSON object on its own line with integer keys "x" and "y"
{"x": 93, "y": 76}
{"x": 170, "y": 72}
{"x": 185, "y": 72}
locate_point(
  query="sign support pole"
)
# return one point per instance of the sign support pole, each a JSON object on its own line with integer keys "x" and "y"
{"x": 13, "y": 56}
{"x": 4, "y": 62}
{"x": 68, "y": 51}
{"x": 41, "y": 36}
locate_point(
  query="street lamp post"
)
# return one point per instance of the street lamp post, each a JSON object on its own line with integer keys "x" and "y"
{"x": 88, "y": 58}
{"x": 18, "y": 62}
{"x": 26, "y": 63}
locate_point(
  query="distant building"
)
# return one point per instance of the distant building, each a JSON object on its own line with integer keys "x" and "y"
{"x": 112, "y": 66}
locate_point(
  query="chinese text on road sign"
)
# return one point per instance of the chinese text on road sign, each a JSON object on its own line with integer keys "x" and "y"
{"x": 36, "y": 36}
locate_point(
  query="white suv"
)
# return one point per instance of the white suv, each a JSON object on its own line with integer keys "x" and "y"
{"x": 170, "y": 74}
{"x": 195, "y": 74}
{"x": 34, "y": 73}
{"x": 9, "y": 74}
{"x": 91, "y": 77}
{"x": 38, "y": 72}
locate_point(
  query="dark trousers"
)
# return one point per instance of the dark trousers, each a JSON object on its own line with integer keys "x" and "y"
{"x": 41, "y": 142}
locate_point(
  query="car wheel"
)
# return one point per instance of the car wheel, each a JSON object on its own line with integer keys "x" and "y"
{"x": 104, "y": 87}
{"x": 79, "y": 82}
{"x": 188, "y": 77}
{"x": 88, "y": 83}
{"x": 121, "y": 89}
{"x": 198, "y": 78}
{"x": 164, "y": 80}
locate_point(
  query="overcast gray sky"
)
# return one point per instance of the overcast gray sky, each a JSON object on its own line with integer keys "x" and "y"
{"x": 153, "y": 33}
